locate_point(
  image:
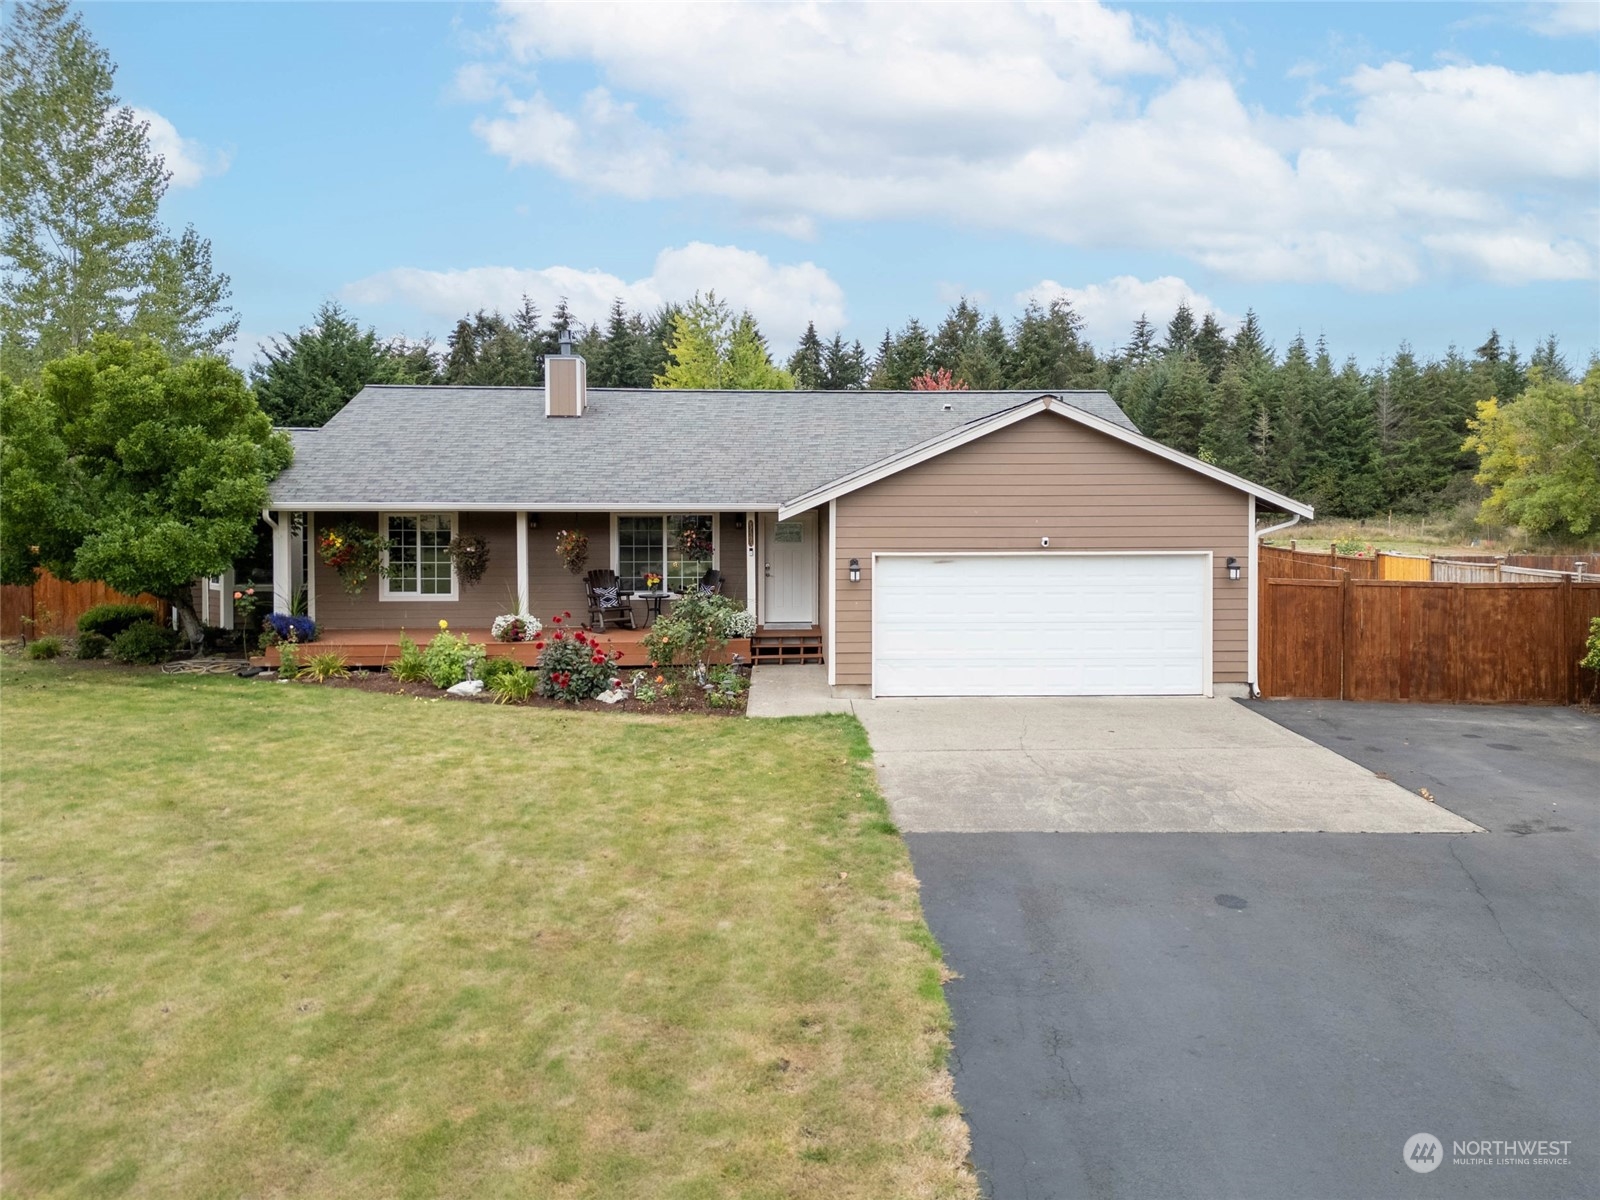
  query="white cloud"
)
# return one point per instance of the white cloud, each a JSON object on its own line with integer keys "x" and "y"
{"x": 1109, "y": 309}
{"x": 1575, "y": 18}
{"x": 187, "y": 159}
{"x": 783, "y": 296}
{"x": 1074, "y": 122}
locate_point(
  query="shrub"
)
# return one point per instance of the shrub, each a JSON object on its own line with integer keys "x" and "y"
{"x": 330, "y": 664}
{"x": 145, "y": 642}
{"x": 698, "y": 624}
{"x": 288, "y": 662}
{"x": 444, "y": 661}
{"x": 93, "y": 645}
{"x": 495, "y": 667}
{"x": 573, "y": 667}
{"x": 513, "y": 687}
{"x": 283, "y": 624}
{"x": 108, "y": 620}
{"x": 45, "y": 647}
{"x": 409, "y": 667}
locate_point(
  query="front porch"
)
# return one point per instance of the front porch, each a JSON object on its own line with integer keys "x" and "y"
{"x": 376, "y": 648}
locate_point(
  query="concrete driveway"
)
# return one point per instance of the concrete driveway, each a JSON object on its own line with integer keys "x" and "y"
{"x": 1273, "y": 1015}
{"x": 1100, "y": 765}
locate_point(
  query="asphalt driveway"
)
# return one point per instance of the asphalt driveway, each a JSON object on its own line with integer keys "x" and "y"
{"x": 1272, "y": 1015}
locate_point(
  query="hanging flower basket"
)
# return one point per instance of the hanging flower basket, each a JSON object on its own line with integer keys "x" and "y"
{"x": 470, "y": 554}
{"x": 573, "y": 547}
{"x": 354, "y": 551}
{"x": 695, "y": 543}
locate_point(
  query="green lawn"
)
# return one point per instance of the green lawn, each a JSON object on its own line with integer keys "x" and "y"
{"x": 271, "y": 939}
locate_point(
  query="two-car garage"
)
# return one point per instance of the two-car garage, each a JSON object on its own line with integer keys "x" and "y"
{"x": 1041, "y": 624}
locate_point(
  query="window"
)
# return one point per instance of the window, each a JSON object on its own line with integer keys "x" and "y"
{"x": 658, "y": 545}
{"x": 419, "y": 556}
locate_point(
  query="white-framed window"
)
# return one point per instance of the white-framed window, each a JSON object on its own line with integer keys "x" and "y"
{"x": 418, "y": 556}
{"x": 654, "y": 543}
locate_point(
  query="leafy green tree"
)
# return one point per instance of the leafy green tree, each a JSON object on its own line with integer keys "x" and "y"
{"x": 304, "y": 378}
{"x": 1540, "y": 453}
{"x": 806, "y": 364}
{"x": 711, "y": 348}
{"x": 118, "y": 465}
{"x": 80, "y": 191}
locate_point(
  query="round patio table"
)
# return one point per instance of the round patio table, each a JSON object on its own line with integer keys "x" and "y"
{"x": 652, "y": 602}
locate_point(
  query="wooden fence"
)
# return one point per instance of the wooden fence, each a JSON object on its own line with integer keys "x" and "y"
{"x": 1465, "y": 643}
{"x": 52, "y": 605}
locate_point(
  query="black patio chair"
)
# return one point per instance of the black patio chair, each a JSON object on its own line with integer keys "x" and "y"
{"x": 607, "y": 600}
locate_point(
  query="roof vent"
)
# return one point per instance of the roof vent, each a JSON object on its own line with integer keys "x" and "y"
{"x": 566, "y": 381}
{"x": 948, "y": 407}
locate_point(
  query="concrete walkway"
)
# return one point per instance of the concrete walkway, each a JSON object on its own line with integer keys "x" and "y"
{"x": 1123, "y": 765}
{"x": 792, "y": 692}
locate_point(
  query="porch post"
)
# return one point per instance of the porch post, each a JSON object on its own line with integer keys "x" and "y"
{"x": 311, "y": 565}
{"x": 522, "y": 562}
{"x": 282, "y": 598}
{"x": 750, "y": 561}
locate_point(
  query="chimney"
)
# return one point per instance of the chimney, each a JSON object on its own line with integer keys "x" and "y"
{"x": 566, "y": 381}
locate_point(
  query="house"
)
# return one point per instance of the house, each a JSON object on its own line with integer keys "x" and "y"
{"x": 918, "y": 543}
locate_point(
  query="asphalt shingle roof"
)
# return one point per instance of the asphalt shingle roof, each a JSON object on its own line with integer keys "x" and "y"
{"x": 439, "y": 446}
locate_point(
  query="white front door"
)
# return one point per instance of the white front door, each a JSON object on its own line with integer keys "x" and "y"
{"x": 1046, "y": 624}
{"x": 791, "y": 571}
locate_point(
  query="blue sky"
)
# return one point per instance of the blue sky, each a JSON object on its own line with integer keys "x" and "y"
{"x": 1369, "y": 172}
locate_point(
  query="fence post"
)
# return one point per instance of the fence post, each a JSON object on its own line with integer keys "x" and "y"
{"x": 1344, "y": 636}
{"x": 1458, "y": 670}
{"x": 1569, "y": 668}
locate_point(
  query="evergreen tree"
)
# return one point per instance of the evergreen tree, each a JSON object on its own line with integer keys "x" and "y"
{"x": 906, "y": 357}
{"x": 305, "y": 378}
{"x": 711, "y": 348}
{"x": 1225, "y": 436}
{"x": 1211, "y": 347}
{"x": 1250, "y": 344}
{"x": 958, "y": 336}
{"x": 80, "y": 188}
{"x": 1048, "y": 350}
{"x": 1141, "y": 349}
{"x": 806, "y": 364}
{"x": 1550, "y": 362}
{"x": 1181, "y": 331}
{"x": 615, "y": 358}
{"x": 526, "y": 322}
{"x": 878, "y": 376}
{"x": 1186, "y": 404}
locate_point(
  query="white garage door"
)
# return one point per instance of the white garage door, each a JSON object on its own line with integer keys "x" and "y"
{"x": 1045, "y": 624}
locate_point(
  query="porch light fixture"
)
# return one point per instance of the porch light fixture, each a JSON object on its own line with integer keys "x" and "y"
{"x": 533, "y": 520}
{"x": 1233, "y": 568}
{"x": 855, "y": 570}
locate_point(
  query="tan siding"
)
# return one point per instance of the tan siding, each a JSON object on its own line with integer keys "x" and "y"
{"x": 730, "y": 557}
{"x": 1043, "y": 477}
{"x": 822, "y": 579}
{"x": 551, "y": 587}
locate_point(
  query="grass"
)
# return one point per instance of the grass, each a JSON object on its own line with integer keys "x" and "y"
{"x": 268, "y": 939}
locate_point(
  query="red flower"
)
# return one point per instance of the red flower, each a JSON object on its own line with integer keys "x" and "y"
{"x": 555, "y": 620}
{"x": 560, "y": 637}
{"x": 566, "y": 614}
{"x": 598, "y": 658}
{"x": 538, "y": 645}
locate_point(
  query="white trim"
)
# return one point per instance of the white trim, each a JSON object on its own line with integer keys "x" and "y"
{"x": 944, "y": 443}
{"x": 522, "y": 561}
{"x": 833, "y": 590}
{"x": 750, "y": 561}
{"x": 1207, "y": 667}
{"x": 1250, "y": 651}
{"x": 1253, "y": 666}
{"x": 385, "y": 595}
{"x": 282, "y": 600}
{"x": 542, "y": 507}
{"x": 311, "y": 565}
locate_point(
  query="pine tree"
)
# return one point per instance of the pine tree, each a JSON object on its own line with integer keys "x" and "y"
{"x": 1048, "y": 349}
{"x": 1249, "y": 343}
{"x": 1211, "y": 347}
{"x": 1225, "y": 436}
{"x": 844, "y": 367}
{"x": 1550, "y": 362}
{"x": 526, "y": 322}
{"x": 958, "y": 335}
{"x": 1186, "y": 404}
{"x": 304, "y": 378}
{"x": 613, "y": 363}
{"x": 806, "y": 363}
{"x": 1141, "y": 349}
{"x": 1180, "y": 331}
{"x": 878, "y": 377}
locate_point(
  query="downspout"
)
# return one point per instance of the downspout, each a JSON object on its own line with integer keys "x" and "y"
{"x": 1255, "y": 567}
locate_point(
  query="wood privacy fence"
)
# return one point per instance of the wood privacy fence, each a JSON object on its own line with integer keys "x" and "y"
{"x": 1341, "y": 637}
{"x": 54, "y": 606}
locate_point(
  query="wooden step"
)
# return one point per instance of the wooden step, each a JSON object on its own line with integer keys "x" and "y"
{"x": 780, "y": 647}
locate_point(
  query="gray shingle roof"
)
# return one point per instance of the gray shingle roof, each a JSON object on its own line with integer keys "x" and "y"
{"x": 440, "y": 446}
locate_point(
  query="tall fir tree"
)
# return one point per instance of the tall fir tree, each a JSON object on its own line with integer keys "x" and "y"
{"x": 806, "y": 363}
{"x": 1211, "y": 346}
{"x": 1181, "y": 331}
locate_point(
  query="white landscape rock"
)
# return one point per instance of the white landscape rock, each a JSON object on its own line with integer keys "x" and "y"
{"x": 612, "y": 695}
{"x": 467, "y": 687}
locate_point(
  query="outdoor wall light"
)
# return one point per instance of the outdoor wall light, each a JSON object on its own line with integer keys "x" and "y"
{"x": 533, "y": 520}
{"x": 855, "y": 570}
{"x": 1233, "y": 568}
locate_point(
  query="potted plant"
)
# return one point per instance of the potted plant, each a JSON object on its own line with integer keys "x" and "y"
{"x": 573, "y": 547}
{"x": 515, "y": 627}
{"x": 470, "y": 554}
{"x": 354, "y": 551}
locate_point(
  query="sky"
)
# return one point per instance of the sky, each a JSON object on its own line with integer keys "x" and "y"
{"x": 1369, "y": 173}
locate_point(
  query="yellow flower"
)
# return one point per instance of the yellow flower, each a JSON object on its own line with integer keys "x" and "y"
{"x": 443, "y": 624}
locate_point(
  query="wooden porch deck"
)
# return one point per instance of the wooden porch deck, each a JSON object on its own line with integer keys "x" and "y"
{"x": 379, "y": 647}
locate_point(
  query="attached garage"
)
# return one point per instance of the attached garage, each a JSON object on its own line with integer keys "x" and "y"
{"x": 1049, "y": 624}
